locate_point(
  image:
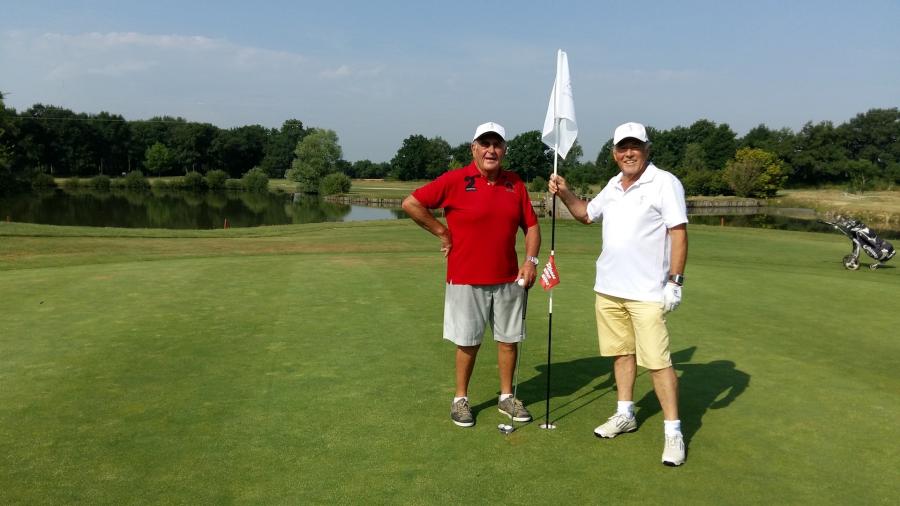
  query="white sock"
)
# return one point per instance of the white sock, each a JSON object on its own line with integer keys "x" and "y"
{"x": 672, "y": 427}
{"x": 456, "y": 399}
{"x": 626, "y": 408}
{"x": 503, "y": 397}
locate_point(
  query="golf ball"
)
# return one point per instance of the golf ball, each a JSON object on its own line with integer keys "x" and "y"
{"x": 521, "y": 282}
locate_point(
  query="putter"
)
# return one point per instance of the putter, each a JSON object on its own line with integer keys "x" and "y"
{"x": 509, "y": 428}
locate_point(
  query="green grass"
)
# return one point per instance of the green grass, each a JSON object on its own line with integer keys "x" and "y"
{"x": 303, "y": 364}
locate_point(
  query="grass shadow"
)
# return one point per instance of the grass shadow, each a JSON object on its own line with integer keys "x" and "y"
{"x": 566, "y": 378}
{"x": 713, "y": 385}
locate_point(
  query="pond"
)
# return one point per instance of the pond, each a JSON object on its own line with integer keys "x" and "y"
{"x": 188, "y": 210}
{"x": 179, "y": 209}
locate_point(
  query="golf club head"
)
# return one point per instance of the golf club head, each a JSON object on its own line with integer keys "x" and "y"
{"x": 505, "y": 428}
{"x": 548, "y": 426}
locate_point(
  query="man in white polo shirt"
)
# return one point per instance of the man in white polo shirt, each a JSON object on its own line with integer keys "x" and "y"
{"x": 639, "y": 276}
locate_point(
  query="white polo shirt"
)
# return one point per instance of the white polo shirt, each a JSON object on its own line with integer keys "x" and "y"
{"x": 634, "y": 261}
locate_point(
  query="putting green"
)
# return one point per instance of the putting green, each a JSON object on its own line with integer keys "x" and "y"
{"x": 303, "y": 364}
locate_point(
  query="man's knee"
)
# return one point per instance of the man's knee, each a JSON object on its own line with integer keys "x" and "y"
{"x": 468, "y": 350}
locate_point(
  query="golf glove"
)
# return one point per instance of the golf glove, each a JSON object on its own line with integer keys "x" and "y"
{"x": 671, "y": 297}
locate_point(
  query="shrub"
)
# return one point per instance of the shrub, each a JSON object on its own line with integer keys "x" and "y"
{"x": 100, "y": 182}
{"x": 193, "y": 181}
{"x": 255, "y": 180}
{"x": 161, "y": 185}
{"x": 215, "y": 179}
{"x": 234, "y": 184}
{"x": 754, "y": 173}
{"x": 43, "y": 180}
{"x": 703, "y": 182}
{"x": 334, "y": 183}
{"x": 135, "y": 180}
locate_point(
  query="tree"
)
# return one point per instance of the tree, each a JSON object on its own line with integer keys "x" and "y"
{"x": 461, "y": 154}
{"x": 528, "y": 156}
{"x": 862, "y": 173}
{"x": 316, "y": 156}
{"x": 667, "y": 146}
{"x": 779, "y": 142}
{"x": 571, "y": 161}
{"x": 105, "y": 139}
{"x": 367, "y": 169}
{"x": 238, "y": 150}
{"x": 279, "y": 151}
{"x": 7, "y": 178}
{"x": 158, "y": 159}
{"x": 605, "y": 165}
{"x": 420, "y": 158}
{"x": 694, "y": 160}
{"x": 718, "y": 142}
{"x": 875, "y": 137}
{"x": 819, "y": 155}
{"x": 145, "y": 133}
{"x": 191, "y": 144}
{"x": 754, "y": 172}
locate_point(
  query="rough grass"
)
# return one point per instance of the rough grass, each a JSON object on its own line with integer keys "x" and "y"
{"x": 303, "y": 364}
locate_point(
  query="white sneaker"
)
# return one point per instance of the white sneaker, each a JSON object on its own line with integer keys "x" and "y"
{"x": 617, "y": 424}
{"x": 673, "y": 452}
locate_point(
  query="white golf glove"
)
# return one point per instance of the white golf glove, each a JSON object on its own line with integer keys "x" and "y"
{"x": 671, "y": 297}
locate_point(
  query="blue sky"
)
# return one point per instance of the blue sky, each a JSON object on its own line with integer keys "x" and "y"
{"x": 379, "y": 72}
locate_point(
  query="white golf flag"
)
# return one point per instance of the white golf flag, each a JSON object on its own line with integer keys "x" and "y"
{"x": 559, "y": 125}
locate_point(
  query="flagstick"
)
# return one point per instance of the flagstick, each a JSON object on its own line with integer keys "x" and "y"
{"x": 547, "y": 424}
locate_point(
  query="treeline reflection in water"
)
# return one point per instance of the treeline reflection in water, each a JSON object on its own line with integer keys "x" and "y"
{"x": 804, "y": 220}
{"x": 189, "y": 210}
{"x": 178, "y": 209}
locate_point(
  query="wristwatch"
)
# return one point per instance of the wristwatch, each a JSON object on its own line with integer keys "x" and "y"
{"x": 533, "y": 260}
{"x": 678, "y": 279}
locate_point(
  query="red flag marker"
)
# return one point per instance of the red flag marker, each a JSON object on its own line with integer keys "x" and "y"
{"x": 550, "y": 276}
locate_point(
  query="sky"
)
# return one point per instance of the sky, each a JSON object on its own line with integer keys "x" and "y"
{"x": 378, "y": 72}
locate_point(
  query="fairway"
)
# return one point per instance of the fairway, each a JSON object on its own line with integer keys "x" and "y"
{"x": 303, "y": 364}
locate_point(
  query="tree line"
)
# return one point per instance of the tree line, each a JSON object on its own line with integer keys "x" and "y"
{"x": 710, "y": 159}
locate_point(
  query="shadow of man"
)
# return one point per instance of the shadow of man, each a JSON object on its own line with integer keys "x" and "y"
{"x": 701, "y": 387}
{"x": 566, "y": 378}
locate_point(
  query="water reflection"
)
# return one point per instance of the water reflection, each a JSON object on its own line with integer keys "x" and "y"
{"x": 189, "y": 210}
{"x": 779, "y": 220}
{"x": 178, "y": 209}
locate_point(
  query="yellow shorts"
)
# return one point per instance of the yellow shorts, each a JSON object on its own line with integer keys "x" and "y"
{"x": 630, "y": 327}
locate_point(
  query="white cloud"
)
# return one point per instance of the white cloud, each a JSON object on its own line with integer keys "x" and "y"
{"x": 117, "y": 54}
{"x": 342, "y": 71}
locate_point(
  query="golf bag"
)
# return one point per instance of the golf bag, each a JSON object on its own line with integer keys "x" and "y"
{"x": 862, "y": 238}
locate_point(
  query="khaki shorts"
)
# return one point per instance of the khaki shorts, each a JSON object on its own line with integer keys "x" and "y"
{"x": 630, "y": 327}
{"x": 469, "y": 308}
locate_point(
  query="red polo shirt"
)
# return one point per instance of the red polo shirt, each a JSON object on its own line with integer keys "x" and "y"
{"x": 483, "y": 219}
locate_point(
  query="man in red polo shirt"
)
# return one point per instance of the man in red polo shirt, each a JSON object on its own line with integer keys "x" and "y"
{"x": 485, "y": 206}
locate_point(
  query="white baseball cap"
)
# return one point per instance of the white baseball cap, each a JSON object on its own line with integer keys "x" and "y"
{"x": 630, "y": 130}
{"x": 490, "y": 126}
